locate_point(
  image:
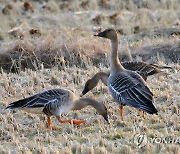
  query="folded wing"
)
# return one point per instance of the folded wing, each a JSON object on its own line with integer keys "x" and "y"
{"x": 39, "y": 99}
{"x": 131, "y": 90}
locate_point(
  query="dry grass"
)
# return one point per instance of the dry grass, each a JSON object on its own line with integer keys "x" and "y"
{"x": 21, "y": 130}
{"x": 51, "y": 45}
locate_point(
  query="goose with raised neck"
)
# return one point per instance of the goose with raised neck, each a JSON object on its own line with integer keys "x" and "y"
{"x": 125, "y": 86}
{"x": 54, "y": 102}
{"x": 115, "y": 64}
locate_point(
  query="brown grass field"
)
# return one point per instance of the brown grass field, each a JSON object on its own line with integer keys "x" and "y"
{"x": 50, "y": 44}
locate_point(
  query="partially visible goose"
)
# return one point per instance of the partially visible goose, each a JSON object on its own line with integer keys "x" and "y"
{"x": 55, "y": 102}
{"x": 92, "y": 83}
{"x": 126, "y": 87}
{"x": 142, "y": 68}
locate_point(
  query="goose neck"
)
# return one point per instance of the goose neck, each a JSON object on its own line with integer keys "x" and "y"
{"x": 83, "y": 102}
{"x": 115, "y": 64}
{"x": 103, "y": 76}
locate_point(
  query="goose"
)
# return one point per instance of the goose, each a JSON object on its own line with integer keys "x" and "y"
{"x": 92, "y": 83}
{"x": 125, "y": 86}
{"x": 142, "y": 68}
{"x": 54, "y": 102}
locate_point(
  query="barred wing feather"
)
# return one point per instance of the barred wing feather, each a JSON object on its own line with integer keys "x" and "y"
{"x": 141, "y": 67}
{"x": 39, "y": 99}
{"x": 131, "y": 91}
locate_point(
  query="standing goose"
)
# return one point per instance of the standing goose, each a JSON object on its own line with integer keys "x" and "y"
{"x": 126, "y": 87}
{"x": 142, "y": 68}
{"x": 55, "y": 102}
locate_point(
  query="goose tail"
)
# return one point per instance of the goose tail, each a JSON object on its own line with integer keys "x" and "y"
{"x": 161, "y": 66}
{"x": 18, "y": 104}
{"x": 163, "y": 73}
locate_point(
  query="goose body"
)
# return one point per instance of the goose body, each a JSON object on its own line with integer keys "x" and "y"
{"x": 54, "y": 102}
{"x": 128, "y": 88}
{"x": 125, "y": 86}
{"x": 49, "y": 102}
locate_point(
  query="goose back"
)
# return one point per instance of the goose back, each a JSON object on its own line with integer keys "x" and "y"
{"x": 141, "y": 67}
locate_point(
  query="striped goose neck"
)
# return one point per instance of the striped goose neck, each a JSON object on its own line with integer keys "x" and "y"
{"x": 115, "y": 64}
{"x": 83, "y": 102}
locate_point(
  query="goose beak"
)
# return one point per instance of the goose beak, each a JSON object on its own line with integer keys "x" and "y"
{"x": 101, "y": 34}
{"x": 81, "y": 95}
{"x": 84, "y": 92}
{"x": 106, "y": 117}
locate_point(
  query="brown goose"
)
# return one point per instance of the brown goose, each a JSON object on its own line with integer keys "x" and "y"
{"x": 92, "y": 83}
{"x": 55, "y": 102}
{"x": 125, "y": 86}
{"x": 142, "y": 68}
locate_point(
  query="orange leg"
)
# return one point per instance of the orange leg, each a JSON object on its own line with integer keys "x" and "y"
{"x": 77, "y": 122}
{"x": 121, "y": 112}
{"x": 49, "y": 123}
{"x": 141, "y": 113}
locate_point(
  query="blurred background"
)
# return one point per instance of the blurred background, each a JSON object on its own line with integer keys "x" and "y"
{"x": 53, "y": 32}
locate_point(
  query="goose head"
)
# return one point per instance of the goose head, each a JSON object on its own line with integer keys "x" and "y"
{"x": 90, "y": 84}
{"x": 109, "y": 33}
{"x": 102, "y": 110}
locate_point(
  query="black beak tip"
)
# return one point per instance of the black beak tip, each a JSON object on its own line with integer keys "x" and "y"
{"x": 98, "y": 35}
{"x": 81, "y": 95}
{"x": 101, "y": 34}
{"x": 106, "y": 118}
{"x": 84, "y": 92}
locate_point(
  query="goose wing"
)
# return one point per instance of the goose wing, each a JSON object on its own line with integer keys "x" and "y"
{"x": 161, "y": 66}
{"x": 130, "y": 89}
{"x": 40, "y": 99}
{"x": 142, "y": 67}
